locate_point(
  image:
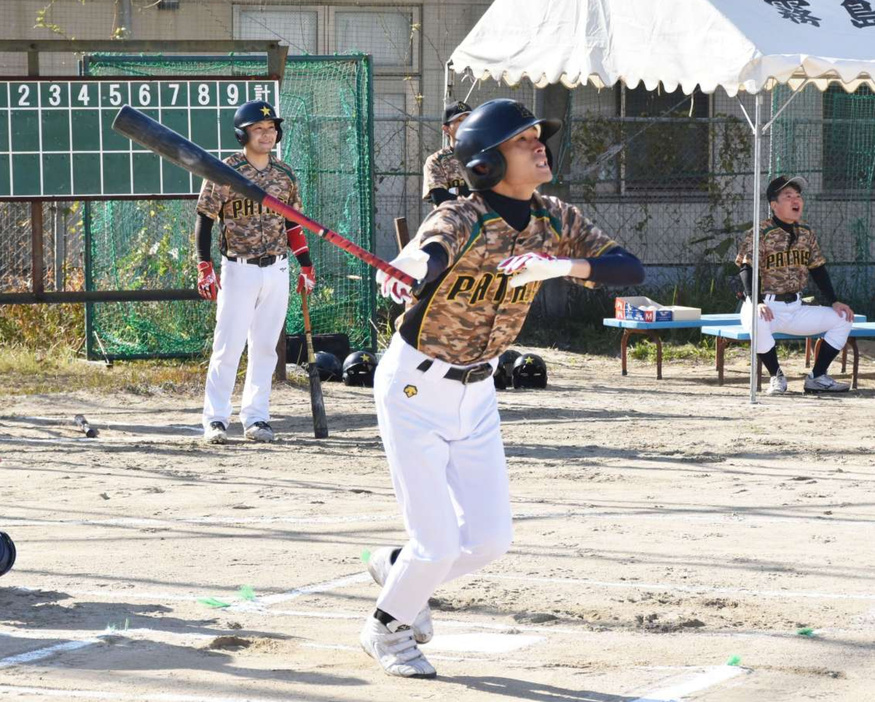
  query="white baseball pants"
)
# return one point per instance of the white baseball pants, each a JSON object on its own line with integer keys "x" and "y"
{"x": 796, "y": 318}
{"x": 251, "y": 312}
{"x": 446, "y": 457}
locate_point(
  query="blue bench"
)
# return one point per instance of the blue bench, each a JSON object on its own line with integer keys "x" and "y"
{"x": 652, "y": 329}
{"x": 726, "y": 334}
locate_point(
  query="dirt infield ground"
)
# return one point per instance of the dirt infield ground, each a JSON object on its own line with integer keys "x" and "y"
{"x": 663, "y": 529}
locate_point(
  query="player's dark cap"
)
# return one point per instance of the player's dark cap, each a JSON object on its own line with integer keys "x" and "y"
{"x": 781, "y": 182}
{"x": 252, "y": 112}
{"x": 454, "y": 110}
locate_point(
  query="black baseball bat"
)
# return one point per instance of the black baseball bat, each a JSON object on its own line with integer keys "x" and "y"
{"x": 174, "y": 147}
{"x": 83, "y": 424}
{"x": 317, "y": 403}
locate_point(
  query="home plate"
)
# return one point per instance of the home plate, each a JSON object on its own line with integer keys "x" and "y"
{"x": 481, "y": 643}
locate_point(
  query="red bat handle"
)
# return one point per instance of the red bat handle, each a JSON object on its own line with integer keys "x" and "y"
{"x": 292, "y": 214}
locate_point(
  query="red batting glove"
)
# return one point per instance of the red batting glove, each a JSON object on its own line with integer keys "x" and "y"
{"x": 307, "y": 279}
{"x": 208, "y": 285}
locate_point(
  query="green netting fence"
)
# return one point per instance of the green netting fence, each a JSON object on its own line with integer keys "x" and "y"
{"x": 148, "y": 244}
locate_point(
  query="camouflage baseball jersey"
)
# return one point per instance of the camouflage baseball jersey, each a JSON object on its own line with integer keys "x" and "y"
{"x": 442, "y": 170}
{"x": 784, "y": 265}
{"x": 470, "y": 313}
{"x": 248, "y": 230}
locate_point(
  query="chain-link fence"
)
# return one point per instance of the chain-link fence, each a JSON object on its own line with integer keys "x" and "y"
{"x": 63, "y": 246}
{"x": 670, "y": 176}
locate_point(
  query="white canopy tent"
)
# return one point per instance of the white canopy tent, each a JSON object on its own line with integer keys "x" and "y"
{"x": 739, "y": 45}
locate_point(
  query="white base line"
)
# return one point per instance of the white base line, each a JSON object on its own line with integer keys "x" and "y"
{"x": 300, "y": 591}
{"x": 695, "y": 589}
{"x": 712, "y": 676}
{"x": 14, "y": 692}
{"x": 220, "y": 521}
{"x": 41, "y": 653}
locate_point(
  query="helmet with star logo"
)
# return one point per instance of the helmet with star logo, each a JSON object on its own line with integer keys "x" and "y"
{"x": 529, "y": 371}
{"x": 358, "y": 369}
{"x": 251, "y": 112}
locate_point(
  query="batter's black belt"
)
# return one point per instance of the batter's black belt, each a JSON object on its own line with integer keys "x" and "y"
{"x": 472, "y": 374}
{"x": 784, "y": 297}
{"x": 260, "y": 261}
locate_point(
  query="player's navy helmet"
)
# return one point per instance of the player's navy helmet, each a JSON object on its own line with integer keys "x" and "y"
{"x": 7, "y": 553}
{"x": 529, "y": 371}
{"x": 358, "y": 369}
{"x": 489, "y": 125}
{"x": 328, "y": 366}
{"x": 251, "y": 112}
{"x": 504, "y": 369}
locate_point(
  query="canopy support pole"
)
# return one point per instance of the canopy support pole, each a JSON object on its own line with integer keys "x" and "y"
{"x": 757, "y": 189}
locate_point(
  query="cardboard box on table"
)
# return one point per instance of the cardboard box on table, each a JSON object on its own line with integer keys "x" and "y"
{"x": 643, "y": 309}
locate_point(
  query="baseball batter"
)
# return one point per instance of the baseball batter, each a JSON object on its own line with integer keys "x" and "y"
{"x": 789, "y": 252}
{"x": 253, "y": 291}
{"x": 479, "y": 261}
{"x": 443, "y": 177}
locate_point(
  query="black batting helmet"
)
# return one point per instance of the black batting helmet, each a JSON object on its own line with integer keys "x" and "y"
{"x": 251, "y": 112}
{"x": 529, "y": 371}
{"x": 489, "y": 125}
{"x": 358, "y": 369}
{"x": 7, "y": 553}
{"x": 504, "y": 369}
{"x": 328, "y": 366}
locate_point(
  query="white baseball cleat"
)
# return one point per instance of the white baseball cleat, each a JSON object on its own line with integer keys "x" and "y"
{"x": 216, "y": 434}
{"x": 823, "y": 383}
{"x": 395, "y": 649}
{"x": 260, "y": 432}
{"x": 379, "y": 565}
{"x": 777, "y": 384}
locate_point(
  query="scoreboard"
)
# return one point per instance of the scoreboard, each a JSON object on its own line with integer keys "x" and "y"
{"x": 56, "y": 137}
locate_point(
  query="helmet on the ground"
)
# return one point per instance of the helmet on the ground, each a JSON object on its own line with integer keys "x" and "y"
{"x": 251, "y": 112}
{"x": 504, "y": 369}
{"x": 7, "y": 553}
{"x": 529, "y": 371}
{"x": 488, "y": 126}
{"x": 329, "y": 366}
{"x": 358, "y": 369}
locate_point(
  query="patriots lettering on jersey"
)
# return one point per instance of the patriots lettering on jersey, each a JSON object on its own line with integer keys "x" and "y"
{"x": 488, "y": 286}
{"x": 782, "y": 259}
{"x": 243, "y": 208}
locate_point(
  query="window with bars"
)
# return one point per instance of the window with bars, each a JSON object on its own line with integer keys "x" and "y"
{"x": 668, "y": 145}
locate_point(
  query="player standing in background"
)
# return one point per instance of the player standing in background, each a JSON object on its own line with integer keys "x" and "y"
{"x": 478, "y": 261}
{"x": 443, "y": 177}
{"x": 788, "y": 253}
{"x": 253, "y": 293}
